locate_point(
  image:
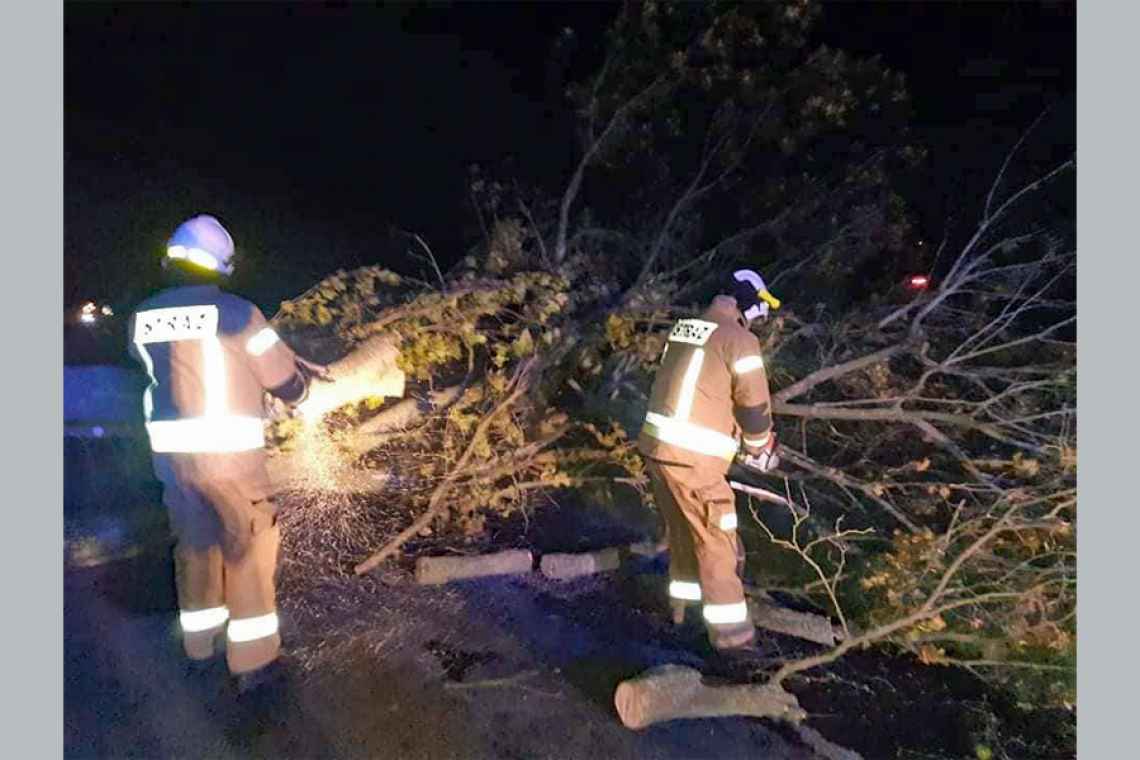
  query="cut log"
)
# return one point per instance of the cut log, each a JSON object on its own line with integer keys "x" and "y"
{"x": 672, "y": 692}
{"x": 432, "y": 571}
{"x": 768, "y": 614}
{"x": 567, "y": 566}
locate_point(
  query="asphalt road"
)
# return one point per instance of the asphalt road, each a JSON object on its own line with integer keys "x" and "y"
{"x": 500, "y": 668}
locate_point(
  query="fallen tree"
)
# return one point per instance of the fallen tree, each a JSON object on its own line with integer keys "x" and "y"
{"x": 935, "y": 434}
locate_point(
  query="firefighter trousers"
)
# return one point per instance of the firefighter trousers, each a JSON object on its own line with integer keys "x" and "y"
{"x": 699, "y": 509}
{"x": 224, "y": 520}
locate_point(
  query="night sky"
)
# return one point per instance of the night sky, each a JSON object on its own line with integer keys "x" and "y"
{"x": 314, "y": 130}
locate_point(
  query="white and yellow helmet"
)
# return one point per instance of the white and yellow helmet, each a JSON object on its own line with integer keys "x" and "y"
{"x": 203, "y": 242}
{"x": 752, "y": 294}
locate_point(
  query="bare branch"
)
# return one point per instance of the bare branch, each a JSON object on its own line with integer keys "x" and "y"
{"x": 901, "y": 415}
{"x": 1018, "y": 342}
{"x": 883, "y": 632}
{"x": 1005, "y": 164}
{"x": 844, "y": 480}
{"x": 591, "y": 154}
{"x": 697, "y": 190}
{"x": 827, "y": 374}
{"x": 537, "y": 233}
{"x": 430, "y": 258}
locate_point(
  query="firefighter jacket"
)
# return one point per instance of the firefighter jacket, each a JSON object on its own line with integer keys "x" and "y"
{"x": 210, "y": 357}
{"x": 710, "y": 390}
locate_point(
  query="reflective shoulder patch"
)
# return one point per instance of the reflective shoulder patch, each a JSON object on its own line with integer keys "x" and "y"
{"x": 748, "y": 364}
{"x": 260, "y": 343}
{"x": 693, "y": 331}
{"x": 174, "y": 324}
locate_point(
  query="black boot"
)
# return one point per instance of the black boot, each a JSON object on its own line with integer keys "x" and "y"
{"x": 746, "y": 664}
{"x": 271, "y": 678}
{"x": 203, "y": 669}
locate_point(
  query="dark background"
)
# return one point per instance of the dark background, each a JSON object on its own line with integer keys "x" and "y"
{"x": 312, "y": 130}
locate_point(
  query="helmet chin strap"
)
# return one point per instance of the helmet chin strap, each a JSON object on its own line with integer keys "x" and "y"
{"x": 756, "y": 311}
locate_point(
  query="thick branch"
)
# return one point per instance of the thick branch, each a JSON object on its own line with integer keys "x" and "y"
{"x": 399, "y": 417}
{"x": 826, "y": 374}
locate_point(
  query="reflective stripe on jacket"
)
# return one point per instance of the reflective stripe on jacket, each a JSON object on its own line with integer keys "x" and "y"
{"x": 710, "y": 389}
{"x": 210, "y": 357}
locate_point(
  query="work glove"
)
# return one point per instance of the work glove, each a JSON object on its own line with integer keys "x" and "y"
{"x": 320, "y": 394}
{"x": 764, "y": 458}
{"x": 277, "y": 409}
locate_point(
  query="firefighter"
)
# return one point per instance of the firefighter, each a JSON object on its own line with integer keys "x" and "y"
{"x": 710, "y": 390}
{"x": 210, "y": 357}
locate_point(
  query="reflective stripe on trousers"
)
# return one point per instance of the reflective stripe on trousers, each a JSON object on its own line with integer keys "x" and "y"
{"x": 195, "y": 621}
{"x": 689, "y": 591}
{"x": 726, "y": 614}
{"x": 252, "y": 628}
{"x": 757, "y": 442}
{"x": 253, "y": 643}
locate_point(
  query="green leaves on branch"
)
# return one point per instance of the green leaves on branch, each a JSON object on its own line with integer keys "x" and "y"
{"x": 343, "y": 300}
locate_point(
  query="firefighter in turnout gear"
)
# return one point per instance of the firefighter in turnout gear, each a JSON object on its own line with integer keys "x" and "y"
{"x": 211, "y": 356}
{"x": 709, "y": 404}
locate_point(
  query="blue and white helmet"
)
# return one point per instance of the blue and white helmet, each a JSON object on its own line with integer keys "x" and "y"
{"x": 204, "y": 242}
{"x": 752, "y": 294}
